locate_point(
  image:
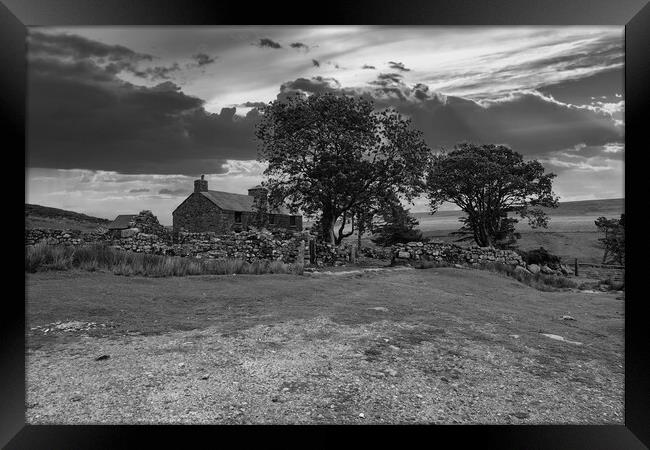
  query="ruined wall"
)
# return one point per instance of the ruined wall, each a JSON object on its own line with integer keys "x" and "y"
{"x": 248, "y": 245}
{"x": 60, "y": 237}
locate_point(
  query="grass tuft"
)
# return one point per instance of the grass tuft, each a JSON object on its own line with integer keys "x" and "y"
{"x": 44, "y": 257}
{"x": 539, "y": 281}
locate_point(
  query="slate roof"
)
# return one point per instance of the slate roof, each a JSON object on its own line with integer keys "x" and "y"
{"x": 121, "y": 222}
{"x": 236, "y": 202}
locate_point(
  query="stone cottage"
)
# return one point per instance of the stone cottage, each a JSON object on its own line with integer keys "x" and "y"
{"x": 223, "y": 212}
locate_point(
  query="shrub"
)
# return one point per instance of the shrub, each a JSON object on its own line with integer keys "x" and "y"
{"x": 539, "y": 256}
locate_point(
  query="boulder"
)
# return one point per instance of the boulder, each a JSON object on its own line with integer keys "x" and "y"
{"x": 533, "y": 268}
{"x": 404, "y": 255}
{"x": 547, "y": 270}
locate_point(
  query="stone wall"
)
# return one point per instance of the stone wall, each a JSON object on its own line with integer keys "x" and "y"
{"x": 61, "y": 237}
{"x": 249, "y": 245}
{"x": 472, "y": 255}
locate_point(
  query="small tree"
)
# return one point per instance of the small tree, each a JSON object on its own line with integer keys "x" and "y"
{"x": 332, "y": 155}
{"x": 488, "y": 182}
{"x": 614, "y": 240}
{"x": 397, "y": 225}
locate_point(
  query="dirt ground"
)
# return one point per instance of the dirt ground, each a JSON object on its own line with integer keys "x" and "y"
{"x": 390, "y": 346}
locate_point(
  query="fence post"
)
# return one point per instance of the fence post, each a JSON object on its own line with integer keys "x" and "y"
{"x": 301, "y": 253}
{"x": 575, "y": 267}
{"x": 353, "y": 254}
{"x": 312, "y": 251}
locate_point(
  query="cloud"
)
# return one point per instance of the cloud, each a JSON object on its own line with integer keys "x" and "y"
{"x": 266, "y": 42}
{"x": 315, "y": 62}
{"x": 251, "y": 105}
{"x": 138, "y": 191}
{"x": 76, "y": 47}
{"x": 314, "y": 85}
{"x": 81, "y": 115}
{"x": 203, "y": 59}
{"x": 112, "y": 59}
{"x": 174, "y": 192}
{"x": 299, "y": 45}
{"x": 367, "y": 66}
{"x": 398, "y": 66}
{"x": 528, "y": 121}
{"x": 384, "y": 79}
{"x": 157, "y": 72}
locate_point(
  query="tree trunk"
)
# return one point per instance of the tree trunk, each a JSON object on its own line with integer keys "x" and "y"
{"x": 359, "y": 232}
{"x": 328, "y": 221}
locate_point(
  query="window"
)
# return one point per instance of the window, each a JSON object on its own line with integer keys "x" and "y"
{"x": 238, "y": 217}
{"x": 292, "y": 221}
{"x": 271, "y": 218}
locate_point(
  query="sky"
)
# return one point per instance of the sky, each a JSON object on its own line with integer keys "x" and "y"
{"x": 124, "y": 119}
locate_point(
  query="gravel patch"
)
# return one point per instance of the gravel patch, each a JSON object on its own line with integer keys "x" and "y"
{"x": 320, "y": 371}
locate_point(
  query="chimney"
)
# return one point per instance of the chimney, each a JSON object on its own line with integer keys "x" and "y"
{"x": 260, "y": 194}
{"x": 201, "y": 185}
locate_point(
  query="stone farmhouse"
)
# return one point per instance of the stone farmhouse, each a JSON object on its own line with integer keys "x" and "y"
{"x": 223, "y": 212}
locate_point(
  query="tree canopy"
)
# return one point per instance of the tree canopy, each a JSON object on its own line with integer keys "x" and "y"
{"x": 331, "y": 156}
{"x": 488, "y": 182}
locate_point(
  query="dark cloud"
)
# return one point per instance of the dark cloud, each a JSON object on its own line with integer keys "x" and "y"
{"x": 398, "y": 66}
{"x": 81, "y": 115}
{"x": 367, "y": 66}
{"x": 385, "y": 79}
{"x": 315, "y": 63}
{"x": 299, "y": 45}
{"x": 528, "y": 121}
{"x": 174, "y": 192}
{"x": 137, "y": 191}
{"x": 113, "y": 59}
{"x": 80, "y": 48}
{"x": 203, "y": 59}
{"x": 158, "y": 72}
{"x": 314, "y": 85}
{"x": 266, "y": 42}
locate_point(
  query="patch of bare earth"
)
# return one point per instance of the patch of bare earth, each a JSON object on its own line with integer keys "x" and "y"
{"x": 419, "y": 346}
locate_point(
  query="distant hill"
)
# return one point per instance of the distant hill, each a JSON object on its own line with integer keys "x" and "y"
{"x": 610, "y": 207}
{"x": 37, "y": 216}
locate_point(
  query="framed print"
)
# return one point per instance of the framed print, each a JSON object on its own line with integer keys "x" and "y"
{"x": 376, "y": 214}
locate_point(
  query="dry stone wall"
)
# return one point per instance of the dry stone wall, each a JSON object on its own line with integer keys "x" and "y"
{"x": 60, "y": 237}
{"x": 249, "y": 245}
{"x": 470, "y": 255}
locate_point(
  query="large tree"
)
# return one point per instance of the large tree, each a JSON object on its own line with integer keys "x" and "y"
{"x": 331, "y": 155}
{"x": 489, "y": 182}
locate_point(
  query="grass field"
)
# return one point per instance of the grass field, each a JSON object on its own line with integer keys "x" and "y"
{"x": 395, "y": 346}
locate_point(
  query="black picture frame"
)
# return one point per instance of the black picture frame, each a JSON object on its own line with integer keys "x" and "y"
{"x": 15, "y": 15}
